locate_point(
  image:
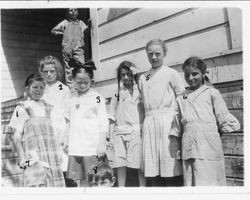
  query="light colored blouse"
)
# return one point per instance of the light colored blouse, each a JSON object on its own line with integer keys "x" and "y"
{"x": 88, "y": 119}
{"x": 20, "y": 114}
{"x": 201, "y": 115}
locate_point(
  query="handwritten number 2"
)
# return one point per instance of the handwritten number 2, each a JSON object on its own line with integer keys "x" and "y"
{"x": 98, "y": 99}
{"x": 60, "y": 87}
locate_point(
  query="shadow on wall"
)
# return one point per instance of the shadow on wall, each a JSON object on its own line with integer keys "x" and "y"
{"x": 116, "y": 12}
{"x": 26, "y": 38}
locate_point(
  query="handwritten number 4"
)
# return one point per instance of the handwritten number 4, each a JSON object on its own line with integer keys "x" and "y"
{"x": 147, "y": 77}
{"x": 98, "y": 99}
{"x": 60, "y": 87}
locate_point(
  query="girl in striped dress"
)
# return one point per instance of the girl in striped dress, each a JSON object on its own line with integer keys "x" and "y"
{"x": 34, "y": 135}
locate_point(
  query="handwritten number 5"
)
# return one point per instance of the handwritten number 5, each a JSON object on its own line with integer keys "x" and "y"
{"x": 147, "y": 77}
{"x": 98, "y": 99}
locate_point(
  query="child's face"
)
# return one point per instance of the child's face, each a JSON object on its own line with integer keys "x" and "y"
{"x": 73, "y": 13}
{"x": 36, "y": 90}
{"x": 155, "y": 55}
{"x": 82, "y": 82}
{"x": 49, "y": 73}
{"x": 126, "y": 77}
{"x": 193, "y": 77}
{"x": 104, "y": 183}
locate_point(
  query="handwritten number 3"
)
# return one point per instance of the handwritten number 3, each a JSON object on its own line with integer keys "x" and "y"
{"x": 60, "y": 87}
{"x": 98, "y": 99}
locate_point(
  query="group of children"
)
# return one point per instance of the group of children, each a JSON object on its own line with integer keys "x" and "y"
{"x": 170, "y": 133}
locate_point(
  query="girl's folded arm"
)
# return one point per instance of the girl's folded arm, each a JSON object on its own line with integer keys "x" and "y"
{"x": 225, "y": 120}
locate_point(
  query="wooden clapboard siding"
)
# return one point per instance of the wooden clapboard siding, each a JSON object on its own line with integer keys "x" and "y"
{"x": 127, "y": 24}
{"x": 233, "y": 144}
{"x": 107, "y": 15}
{"x": 235, "y": 23}
{"x": 165, "y": 29}
{"x": 184, "y": 46}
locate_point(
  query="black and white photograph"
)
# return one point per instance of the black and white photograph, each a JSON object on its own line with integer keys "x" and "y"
{"x": 122, "y": 96}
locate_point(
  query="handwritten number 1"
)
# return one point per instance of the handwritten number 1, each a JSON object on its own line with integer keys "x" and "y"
{"x": 16, "y": 113}
{"x": 98, "y": 99}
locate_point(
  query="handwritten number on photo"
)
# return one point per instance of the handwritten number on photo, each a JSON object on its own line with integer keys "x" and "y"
{"x": 28, "y": 162}
{"x": 147, "y": 77}
{"x": 60, "y": 87}
{"x": 98, "y": 99}
{"x": 16, "y": 113}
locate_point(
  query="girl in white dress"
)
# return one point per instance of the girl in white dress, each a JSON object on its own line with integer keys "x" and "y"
{"x": 125, "y": 124}
{"x": 56, "y": 94}
{"x": 159, "y": 88}
{"x": 202, "y": 114}
{"x": 88, "y": 125}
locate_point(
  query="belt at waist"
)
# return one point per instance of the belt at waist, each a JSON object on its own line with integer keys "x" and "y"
{"x": 206, "y": 126}
{"x": 126, "y": 130}
{"x": 159, "y": 112}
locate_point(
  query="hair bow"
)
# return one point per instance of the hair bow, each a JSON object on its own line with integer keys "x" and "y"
{"x": 134, "y": 70}
{"x": 90, "y": 64}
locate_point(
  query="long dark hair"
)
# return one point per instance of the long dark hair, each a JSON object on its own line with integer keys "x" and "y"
{"x": 124, "y": 65}
{"x": 199, "y": 64}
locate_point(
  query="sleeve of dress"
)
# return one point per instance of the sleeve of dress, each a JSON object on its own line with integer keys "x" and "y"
{"x": 103, "y": 116}
{"x": 112, "y": 108}
{"x": 83, "y": 25}
{"x": 66, "y": 100}
{"x": 176, "y": 129}
{"x": 225, "y": 120}
{"x": 177, "y": 83}
{"x": 59, "y": 28}
{"x": 140, "y": 83}
{"x": 18, "y": 119}
{"x": 67, "y": 110}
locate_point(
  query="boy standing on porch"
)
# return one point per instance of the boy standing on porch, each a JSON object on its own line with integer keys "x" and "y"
{"x": 72, "y": 29}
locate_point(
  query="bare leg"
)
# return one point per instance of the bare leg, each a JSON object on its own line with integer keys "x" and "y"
{"x": 83, "y": 183}
{"x": 142, "y": 179}
{"x": 121, "y": 174}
